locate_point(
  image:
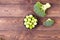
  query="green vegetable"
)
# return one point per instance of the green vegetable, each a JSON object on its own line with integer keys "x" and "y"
{"x": 40, "y": 9}
{"x": 30, "y": 21}
{"x": 48, "y": 22}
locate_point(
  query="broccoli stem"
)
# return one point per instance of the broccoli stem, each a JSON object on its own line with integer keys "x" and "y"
{"x": 46, "y": 6}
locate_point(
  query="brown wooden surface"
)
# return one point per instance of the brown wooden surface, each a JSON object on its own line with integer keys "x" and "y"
{"x": 12, "y": 13}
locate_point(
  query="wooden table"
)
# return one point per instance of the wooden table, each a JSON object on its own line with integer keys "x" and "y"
{"x": 12, "y": 13}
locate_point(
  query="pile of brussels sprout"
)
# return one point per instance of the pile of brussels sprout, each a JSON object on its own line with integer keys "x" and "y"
{"x": 30, "y": 21}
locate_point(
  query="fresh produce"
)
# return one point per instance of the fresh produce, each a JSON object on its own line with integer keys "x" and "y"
{"x": 48, "y": 22}
{"x": 40, "y": 9}
{"x": 30, "y": 21}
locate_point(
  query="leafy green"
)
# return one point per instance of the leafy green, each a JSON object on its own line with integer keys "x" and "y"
{"x": 48, "y": 22}
{"x": 40, "y": 9}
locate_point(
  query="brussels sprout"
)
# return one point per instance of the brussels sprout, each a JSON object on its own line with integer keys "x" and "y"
{"x": 30, "y": 16}
{"x": 25, "y": 19}
{"x": 27, "y": 26}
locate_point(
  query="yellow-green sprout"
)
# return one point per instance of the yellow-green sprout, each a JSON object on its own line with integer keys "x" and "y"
{"x": 30, "y": 21}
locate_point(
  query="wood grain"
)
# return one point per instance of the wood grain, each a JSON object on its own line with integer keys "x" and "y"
{"x": 45, "y": 35}
{"x": 25, "y": 35}
{"x": 11, "y": 24}
{"x": 8, "y": 35}
{"x": 28, "y": 1}
{"x": 13, "y": 12}
{"x": 47, "y": 1}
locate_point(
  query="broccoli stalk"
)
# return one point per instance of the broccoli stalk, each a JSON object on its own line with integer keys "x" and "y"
{"x": 46, "y": 6}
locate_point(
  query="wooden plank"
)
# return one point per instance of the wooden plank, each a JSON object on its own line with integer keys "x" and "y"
{"x": 13, "y": 10}
{"x": 11, "y": 24}
{"x": 47, "y": 1}
{"x": 13, "y": 2}
{"x": 24, "y": 35}
{"x": 8, "y": 35}
{"x": 23, "y": 10}
{"x": 45, "y": 35}
{"x": 14, "y": 35}
{"x": 28, "y": 1}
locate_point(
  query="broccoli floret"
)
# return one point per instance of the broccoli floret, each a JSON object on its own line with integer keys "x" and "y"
{"x": 40, "y": 9}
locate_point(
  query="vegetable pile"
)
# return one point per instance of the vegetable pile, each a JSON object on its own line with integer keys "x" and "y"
{"x": 30, "y": 21}
{"x": 40, "y": 9}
